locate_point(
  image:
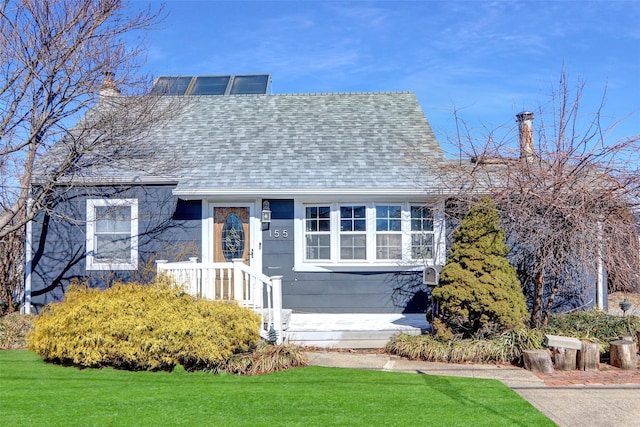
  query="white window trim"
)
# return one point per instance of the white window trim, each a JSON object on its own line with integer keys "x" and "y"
{"x": 301, "y": 264}
{"x": 91, "y": 263}
{"x": 403, "y": 231}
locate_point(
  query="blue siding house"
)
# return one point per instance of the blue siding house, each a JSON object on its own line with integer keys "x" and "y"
{"x": 337, "y": 194}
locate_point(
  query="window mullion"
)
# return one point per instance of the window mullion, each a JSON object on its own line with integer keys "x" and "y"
{"x": 335, "y": 232}
{"x": 371, "y": 232}
{"x": 406, "y": 231}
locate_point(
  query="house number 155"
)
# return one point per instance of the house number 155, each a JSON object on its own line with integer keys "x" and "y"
{"x": 279, "y": 233}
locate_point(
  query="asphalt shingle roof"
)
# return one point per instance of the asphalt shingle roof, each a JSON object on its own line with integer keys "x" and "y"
{"x": 296, "y": 143}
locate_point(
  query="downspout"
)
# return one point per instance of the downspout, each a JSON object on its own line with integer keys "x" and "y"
{"x": 28, "y": 257}
{"x": 600, "y": 286}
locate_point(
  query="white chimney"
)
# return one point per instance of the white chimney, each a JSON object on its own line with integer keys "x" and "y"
{"x": 525, "y": 128}
{"x": 109, "y": 87}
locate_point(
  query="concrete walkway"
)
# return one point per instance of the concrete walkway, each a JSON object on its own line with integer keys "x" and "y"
{"x": 574, "y": 405}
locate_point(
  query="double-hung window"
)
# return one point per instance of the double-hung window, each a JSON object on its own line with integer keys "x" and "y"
{"x": 388, "y": 234}
{"x": 112, "y": 230}
{"x": 318, "y": 232}
{"x": 421, "y": 232}
{"x": 353, "y": 233}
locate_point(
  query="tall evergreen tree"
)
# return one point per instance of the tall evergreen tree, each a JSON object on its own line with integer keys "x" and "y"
{"x": 479, "y": 290}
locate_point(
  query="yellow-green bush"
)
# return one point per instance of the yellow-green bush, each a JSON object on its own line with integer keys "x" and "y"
{"x": 142, "y": 327}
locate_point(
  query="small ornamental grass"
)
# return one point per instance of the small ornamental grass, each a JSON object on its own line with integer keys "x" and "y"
{"x": 266, "y": 358}
{"x": 142, "y": 327}
{"x": 594, "y": 325}
{"x": 14, "y": 328}
{"x": 505, "y": 348}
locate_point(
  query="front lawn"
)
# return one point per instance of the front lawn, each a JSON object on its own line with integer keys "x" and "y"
{"x": 35, "y": 393}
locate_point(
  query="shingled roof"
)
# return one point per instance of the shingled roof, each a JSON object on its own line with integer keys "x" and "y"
{"x": 347, "y": 143}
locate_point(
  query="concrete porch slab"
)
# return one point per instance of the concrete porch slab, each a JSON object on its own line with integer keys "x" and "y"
{"x": 351, "y": 330}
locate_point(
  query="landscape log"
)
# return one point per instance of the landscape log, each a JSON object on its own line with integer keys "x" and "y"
{"x": 564, "y": 359}
{"x": 589, "y": 356}
{"x": 623, "y": 354}
{"x": 538, "y": 361}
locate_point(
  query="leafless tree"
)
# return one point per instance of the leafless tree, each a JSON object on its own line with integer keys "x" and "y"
{"x": 59, "y": 59}
{"x": 569, "y": 204}
{"x": 11, "y": 270}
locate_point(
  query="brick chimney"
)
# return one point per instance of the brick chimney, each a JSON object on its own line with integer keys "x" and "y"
{"x": 525, "y": 128}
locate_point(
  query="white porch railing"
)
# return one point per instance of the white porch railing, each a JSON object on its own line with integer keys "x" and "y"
{"x": 231, "y": 281}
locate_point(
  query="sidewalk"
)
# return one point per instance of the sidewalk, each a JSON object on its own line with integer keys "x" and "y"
{"x": 603, "y": 398}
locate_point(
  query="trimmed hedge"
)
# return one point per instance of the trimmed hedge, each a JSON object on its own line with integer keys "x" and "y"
{"x": 142, "y": 327}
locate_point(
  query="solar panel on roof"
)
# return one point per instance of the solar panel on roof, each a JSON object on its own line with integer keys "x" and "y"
{"x": 171, "y": 86}
{"x": 255, "y": 84}
{"x": 210, "y": 85}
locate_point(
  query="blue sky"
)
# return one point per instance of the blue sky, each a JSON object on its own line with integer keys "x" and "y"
{"x": 491, "y": 59}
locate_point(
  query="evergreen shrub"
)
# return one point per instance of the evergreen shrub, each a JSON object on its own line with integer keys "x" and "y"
{"x": 441, "y": 331}
{"x": 480, "y": 293}
{"x": 142, "y": 327}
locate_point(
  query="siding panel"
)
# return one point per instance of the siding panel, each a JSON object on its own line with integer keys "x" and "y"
{"x": 168, "y": 229}
{"x": 333, "y": 292}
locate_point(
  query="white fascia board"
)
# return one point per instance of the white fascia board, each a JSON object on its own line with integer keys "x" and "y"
{"x": 311, "y": 193}
{"x": 94, "y": 182}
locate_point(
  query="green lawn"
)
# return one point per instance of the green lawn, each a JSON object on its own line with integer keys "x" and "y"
{"x": 35, "y": 393}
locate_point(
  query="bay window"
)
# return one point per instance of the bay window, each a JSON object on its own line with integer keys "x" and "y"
{"x": 384, "y": 234}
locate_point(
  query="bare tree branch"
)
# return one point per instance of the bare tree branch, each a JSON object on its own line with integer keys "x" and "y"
{"x": 572, "y": 201}
{"x": 54, "y": 57}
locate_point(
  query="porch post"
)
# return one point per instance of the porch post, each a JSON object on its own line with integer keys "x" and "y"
{"x": 276, "y": 283}
{"x": 238, "y": 276}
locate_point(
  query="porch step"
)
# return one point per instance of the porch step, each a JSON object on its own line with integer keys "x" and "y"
{"x": 286, "y": 317}
{"x": 351, "y": 330}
